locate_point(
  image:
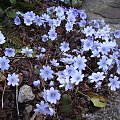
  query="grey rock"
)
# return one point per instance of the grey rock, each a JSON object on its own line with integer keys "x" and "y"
{"x": 109, "y": 10}
{"x": 25, "y": 94}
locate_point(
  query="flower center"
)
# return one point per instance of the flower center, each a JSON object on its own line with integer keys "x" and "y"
{"x": 53, "y": 95}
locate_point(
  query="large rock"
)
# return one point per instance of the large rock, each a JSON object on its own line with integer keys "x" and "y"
{"x": 25, "y": 94}
{"x": 104, "y": 9}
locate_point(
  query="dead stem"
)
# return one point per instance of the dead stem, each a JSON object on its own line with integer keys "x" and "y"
{"x": 90, "y": 69}
{"x": 17, "y": 100}
{"x": 3, "y": 93}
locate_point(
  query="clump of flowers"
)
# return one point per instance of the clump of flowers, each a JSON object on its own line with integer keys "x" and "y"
{"x": 84, "y": 53}
{"x": 92, "y": 59}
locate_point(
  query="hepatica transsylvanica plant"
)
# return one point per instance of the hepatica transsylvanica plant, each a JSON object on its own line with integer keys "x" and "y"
{"x": 85, "y": 53}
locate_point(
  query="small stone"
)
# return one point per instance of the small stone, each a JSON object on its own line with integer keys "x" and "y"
{"x": 28, "y": 108}
{"x": 25, "y": 94}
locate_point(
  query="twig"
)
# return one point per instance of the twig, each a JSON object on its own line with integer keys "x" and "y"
{"x": 3, "y": 93}
{"x": 3, "y": 12}
{"x": 34, "y": 116}
{"x": 17, "y": 100}
{"x": 90, "y": 69}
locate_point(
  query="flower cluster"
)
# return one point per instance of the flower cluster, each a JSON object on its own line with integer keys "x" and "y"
{"x": 97, "y": 48}
{"x": 87, "y": 52}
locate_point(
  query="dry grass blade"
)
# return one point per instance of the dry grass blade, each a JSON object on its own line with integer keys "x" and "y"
{"x": 3, "y": 93}
{"x": 17, "y": 100}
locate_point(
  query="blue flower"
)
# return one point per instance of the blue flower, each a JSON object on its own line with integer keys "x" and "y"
{"x": 106, "y": 29}
{"x": 2, "y": 38}
{"x": 96, "y": 23}
{"x": 44, "y": 108}
{"x": 42, "y": 49}
{"x": 44, "y": 95}
{"x": 88, "y": 31}
{"x": 95, "y": 53}
{"x": 44, "y": 38}
{"x": 118, "y": 66}
{"x": 36, "y": 83}
{"x": 46, "y": 72}
{"x": 71, "y": 18}
{"x": 64, "y": 46}
{"x": 64, "y": 80}
{"x": 82, "y": 23}
{"x": 80, "y": 62}
{"x": 51, "y": 10}
{"x": 40, "y": 56}
{"x": 51, "y": 83}
{"x": 69, "y": 71}
{"x": 96, "y": 77}
{"x": 69, "y": 26}
{"x": 56, "y": 22}
{"x": 17, "y": 21}
{"x": 104, "y": 49}
{"x": 114, "y": 83}
{"x": 38, "y": 21}
{"x": 45, "y": 17}
{"x": 83, "y": 14}
{"x": 4, "y": 63}
{"x": 19, "y": 13}
{"x": 9, "y": 52}
{"x": 98, "y": 84}
{"x": 67, "y": 60}
{"x": 52, "y": 34}
{"x": 28, "y": 52}
{"x": 72, "y": 11}
{"x": 53, "y": 95}
{"x": 59, "y": 11}
{"x": 30, "y": 15}
{"x": 27, "y": 21}
{"x": 104, "y": 63}
{"x": 77, "y": 77}
{"x": 13, "y": 79}
{"x": 87, "y": 44}
{"x": 50, "y": 23}
{"x": 54, "y": 63}
{"x": 117, "y": 34}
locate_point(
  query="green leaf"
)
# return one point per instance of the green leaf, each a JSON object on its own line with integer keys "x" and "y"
{"x": 12, "y": 1}
{"x": 66, "y": 104}
{"x": 98, "y": 101}
{"x": 11, "y": 14}
{"x": 37, "y": 71}
{"x": 1, "y": 10}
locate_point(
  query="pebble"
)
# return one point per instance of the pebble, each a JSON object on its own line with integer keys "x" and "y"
{"x": 25, "y": 94}
{"x": 29, "y": 108}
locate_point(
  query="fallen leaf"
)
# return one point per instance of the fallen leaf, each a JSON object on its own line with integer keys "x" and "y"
{"x": 2, "y": 77}
{"x": 98, "y": 101}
